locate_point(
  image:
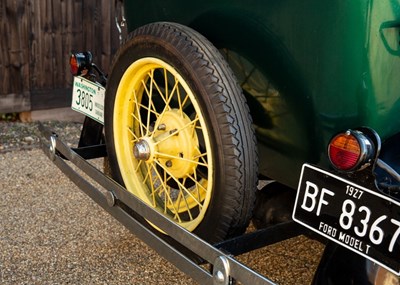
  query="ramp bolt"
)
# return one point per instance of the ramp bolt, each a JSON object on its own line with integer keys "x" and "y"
{"x": 110, "y": 197}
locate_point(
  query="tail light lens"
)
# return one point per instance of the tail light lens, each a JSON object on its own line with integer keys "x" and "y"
{"x": 80, "y": 63}
{"x": 350, "y": 151}
{"x": 73, "y": 62}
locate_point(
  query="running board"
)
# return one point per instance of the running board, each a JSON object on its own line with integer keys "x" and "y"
{"x": 128, "y": 210}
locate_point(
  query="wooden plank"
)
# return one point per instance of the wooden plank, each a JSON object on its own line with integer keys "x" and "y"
{"x": 77, "y": 26}
{"x": 47, "y": 78}
{"x": 89, "y": 15}
{"x": 24, "y": 49}
{"x": 67, "y": 37}
{"x": 4, "y": 60}
{"x": 15, "y": 47}
{"x": 42, "y": 99}
{"x": 59, "y": 55}
{"x": 106, "y": 10}
{"x": 35, "y": 61}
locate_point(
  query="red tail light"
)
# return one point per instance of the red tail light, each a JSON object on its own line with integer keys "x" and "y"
{"x": 73, "y": 62}
{"x": 350, "y": 151}
{"x": 80, "y": 63}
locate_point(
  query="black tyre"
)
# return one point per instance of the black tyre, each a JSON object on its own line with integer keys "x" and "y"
{"x": 179, "y": 132}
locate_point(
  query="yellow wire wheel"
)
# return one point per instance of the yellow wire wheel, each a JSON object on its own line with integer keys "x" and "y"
{"x": 178, "y": 131}
{"x": 160, "y": 156}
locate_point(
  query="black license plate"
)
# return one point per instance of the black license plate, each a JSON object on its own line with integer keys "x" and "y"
{"x": 357, "y": 218}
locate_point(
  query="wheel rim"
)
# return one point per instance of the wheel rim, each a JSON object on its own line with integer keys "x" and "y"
{"x": 162, "y": 142}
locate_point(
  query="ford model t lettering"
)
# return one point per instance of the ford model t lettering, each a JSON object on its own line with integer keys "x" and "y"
{"x": 205, "y": 99}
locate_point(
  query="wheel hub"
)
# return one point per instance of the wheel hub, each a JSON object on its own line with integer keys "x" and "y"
{"x": 173, "y": 143}
{"x": 141, "y": 150}
{"x": 177, "y": 143}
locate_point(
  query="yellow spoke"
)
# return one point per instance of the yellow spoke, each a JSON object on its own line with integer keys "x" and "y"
{"x": 142, "y": 126}
{"x": 150, "y": 109}
{"x": 178, "y": 94}
{"x": 166, "y": 107}
{"x": 165, "y": 183}
{"x": 197, "y": 186}
{"x": 203, "y": 158}
{"x": 138, "y": 166}
{"x": 187, "y": 206}
{"x": 158, "y": 189}
{"x": 173, "y": 206}
{"x": 196, "y": 182}
{"x": 149, "y": 95}
{"x": 184, "y": 100}
{"x": 161, "y": 182}
{"x": 180, "y": 184}
{"x": 165, "y": 189}
{"x": 164, "y": 155}
{"x": 195, "y": 125}
{"x": 139, "y": 119}
{"x": 167, "y": 195}
{"x": 170, "y": 96}
{"x": 178, "y": 202}
{"x": 149, "y": 174}
{"x": 201, "y": 155}
{"x": 160, "y": 91}
{"x": 135, "y": 138}
{"x": 166, "y": 82}
{"x": 144, "y": 84}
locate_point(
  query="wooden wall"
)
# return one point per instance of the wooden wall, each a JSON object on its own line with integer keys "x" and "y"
{"x": 36, "y": 38}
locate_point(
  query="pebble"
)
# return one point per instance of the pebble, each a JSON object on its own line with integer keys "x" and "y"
{"x": 29, "y": 139}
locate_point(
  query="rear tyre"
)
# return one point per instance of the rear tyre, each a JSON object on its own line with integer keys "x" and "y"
{"x": 179, "y": 132}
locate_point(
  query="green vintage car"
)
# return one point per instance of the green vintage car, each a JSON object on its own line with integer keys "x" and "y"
{"x": 205, "y": 99}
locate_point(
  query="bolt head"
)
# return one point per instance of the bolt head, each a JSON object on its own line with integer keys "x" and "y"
{"x": 219, "y": 276}
{"x": 161, "y": 127}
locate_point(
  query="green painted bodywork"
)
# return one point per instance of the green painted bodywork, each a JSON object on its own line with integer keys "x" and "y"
{"x": 308, "y": 68}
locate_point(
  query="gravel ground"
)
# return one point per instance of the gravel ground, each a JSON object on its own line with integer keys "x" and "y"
{"x": 15, "y": 136}
{"x": 52, "y": 233}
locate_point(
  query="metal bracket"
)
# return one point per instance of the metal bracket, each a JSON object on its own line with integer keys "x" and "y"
{"x": 221, "y": 271}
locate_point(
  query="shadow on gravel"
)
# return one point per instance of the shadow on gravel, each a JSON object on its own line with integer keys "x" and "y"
{"x": 15, "y": 135}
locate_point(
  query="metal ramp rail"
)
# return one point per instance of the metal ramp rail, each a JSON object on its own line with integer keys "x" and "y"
{"x": 132, "y": 213}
